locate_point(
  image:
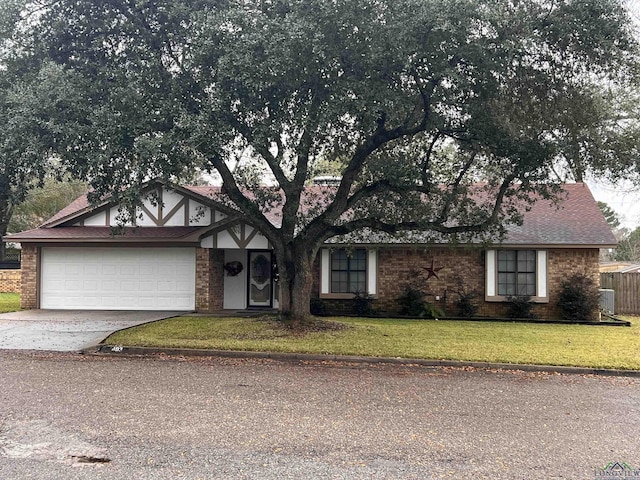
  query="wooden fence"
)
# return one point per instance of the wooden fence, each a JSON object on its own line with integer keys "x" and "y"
{"x": 627, "y": 291}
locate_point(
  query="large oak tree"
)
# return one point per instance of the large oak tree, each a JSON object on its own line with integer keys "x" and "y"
{"x": 417, "y": 101}
{"x": 33, "y": 94}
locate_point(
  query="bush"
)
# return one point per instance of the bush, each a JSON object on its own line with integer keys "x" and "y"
{"x": 466, "y": 306}
{"x": 579, "y": 298}
{"x": 317, "y": 307}
{"x": 412, "y": 301}
{"x": 362, "y": 304}
{"x": 520, "y": 307}
{"x": 431, "y": 311}
{"x": 465, "y": 303}
{"x": 413, "y": 304}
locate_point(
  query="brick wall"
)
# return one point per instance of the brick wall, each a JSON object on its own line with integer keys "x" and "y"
{"x": 29, "y": 281}
{"x": 10, "y": 281}
{"x": 209, "y": 280}
{"x": 458, "y": 267}
{"x": 563, "y": 263}
{"x": 462, "y": 267}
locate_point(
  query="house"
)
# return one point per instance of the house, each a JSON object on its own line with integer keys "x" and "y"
{"x": 619, "y": 267}
{"x": 190, "y": 253}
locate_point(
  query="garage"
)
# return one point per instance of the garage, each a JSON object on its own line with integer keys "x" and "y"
{"x": 121, "y": 278}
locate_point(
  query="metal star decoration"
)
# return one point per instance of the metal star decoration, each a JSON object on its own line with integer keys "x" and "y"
{"x": 433, "y": 271}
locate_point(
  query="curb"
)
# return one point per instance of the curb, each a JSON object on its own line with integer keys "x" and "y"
{"x": 302, "y": 357}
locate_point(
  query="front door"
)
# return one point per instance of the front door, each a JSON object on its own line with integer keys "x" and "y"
{"x": 260, "y": 279}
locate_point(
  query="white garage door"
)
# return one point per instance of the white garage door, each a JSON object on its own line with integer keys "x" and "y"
{"x": 118, "y": 278}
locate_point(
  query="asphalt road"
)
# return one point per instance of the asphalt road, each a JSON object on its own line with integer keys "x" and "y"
{"x": 68, "y": 416}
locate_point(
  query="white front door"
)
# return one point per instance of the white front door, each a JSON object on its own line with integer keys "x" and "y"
{"x": 260, "y": 279}
{"x": 118, "y": 278}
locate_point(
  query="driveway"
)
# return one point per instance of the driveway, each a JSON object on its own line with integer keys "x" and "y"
{"x": 67, "y": 330}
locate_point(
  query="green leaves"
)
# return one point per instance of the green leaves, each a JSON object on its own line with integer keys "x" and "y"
{"x": 408, "y": 94}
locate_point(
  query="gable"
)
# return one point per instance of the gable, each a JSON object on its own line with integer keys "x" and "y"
{"x": 238, "y": 235}
{"x": 160, "y": 208}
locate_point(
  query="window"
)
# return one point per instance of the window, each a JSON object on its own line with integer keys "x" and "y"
{"x": 345, "y": 271}
{"x": 349, "y": 271}
{"x": 517, "y": 273}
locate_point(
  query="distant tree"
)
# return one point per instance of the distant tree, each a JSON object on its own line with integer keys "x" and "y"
{"x": 32, "y": 93}
{"x": 628, "y": 249}
{"x": 603, "y": 136}
{"x": 610, "y": 215}
{"x": 419, "y": 98}
{"x": 44, "y": 202}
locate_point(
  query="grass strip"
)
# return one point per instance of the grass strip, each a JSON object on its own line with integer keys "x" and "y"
{"x": 573, "y": 345}
{"x": 9, "y": 302}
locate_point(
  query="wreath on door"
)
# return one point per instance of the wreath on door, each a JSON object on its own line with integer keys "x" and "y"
{"x": 233, "y": 268}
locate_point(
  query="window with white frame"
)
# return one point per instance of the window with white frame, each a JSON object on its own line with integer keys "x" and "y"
{"x": 516, "y": 272}
{"x": 349, "y": 271}
{"x": 345, "y": 271}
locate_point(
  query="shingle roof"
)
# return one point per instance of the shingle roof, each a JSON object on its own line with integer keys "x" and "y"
{"x": 89, "y": 233}
{"x": 79, "y": 204}
{"x": 575, "y": 220}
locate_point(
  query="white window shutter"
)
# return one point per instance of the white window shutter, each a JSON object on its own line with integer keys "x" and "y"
{"x": 325, "y": 270}
{"x": 372, "y": 271}
{"x": 541, "y": 273}
{"x": 490, "y": 269}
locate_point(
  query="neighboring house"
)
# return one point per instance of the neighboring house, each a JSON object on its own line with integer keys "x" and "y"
{"x": 619, "y": 267}
{"x": 189, "y": 253}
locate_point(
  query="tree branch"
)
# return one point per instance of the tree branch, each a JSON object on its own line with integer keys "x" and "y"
{"x": 456, "y": 185}
{"x": 247, "y": 207}
{"x": 439, "y": 225}
{"x": 272, "y": 161}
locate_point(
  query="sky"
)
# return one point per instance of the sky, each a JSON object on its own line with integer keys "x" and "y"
{"x": 623, "y": 197}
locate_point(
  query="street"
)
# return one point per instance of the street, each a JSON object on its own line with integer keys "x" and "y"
{"x": 69, "y": 416}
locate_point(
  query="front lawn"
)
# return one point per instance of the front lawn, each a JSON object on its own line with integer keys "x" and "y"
{"x": 9, "y": 302}
{"x": 578, "y": 345}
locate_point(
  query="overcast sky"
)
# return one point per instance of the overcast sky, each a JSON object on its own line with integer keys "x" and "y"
{"x": 623, "y": 198}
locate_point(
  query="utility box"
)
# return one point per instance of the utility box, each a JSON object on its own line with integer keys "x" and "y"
{"x": 607, "y": 300}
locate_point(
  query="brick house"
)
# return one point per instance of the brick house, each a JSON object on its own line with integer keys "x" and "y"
{"x": 189, "y": 253}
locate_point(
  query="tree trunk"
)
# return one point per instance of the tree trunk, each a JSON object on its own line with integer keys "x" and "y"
{"x": 6, "y": 210}
{"x": 296, "y": 282}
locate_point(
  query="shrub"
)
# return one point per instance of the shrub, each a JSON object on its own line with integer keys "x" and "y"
{"x": 411, "y": 301}
{"x": 520, "y": 307}
{"x": 317, "y": 307}
{"x": 466, "y": 306}
{"x": 362, "y": 304}
{"x": 431, "y": 311}
{"x": 465, "y": 303}
{"x": 579, "y": 298}
{"x": 413, "y": 304}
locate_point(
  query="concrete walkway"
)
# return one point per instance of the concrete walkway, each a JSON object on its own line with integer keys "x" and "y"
{"x": 68, "y": 330}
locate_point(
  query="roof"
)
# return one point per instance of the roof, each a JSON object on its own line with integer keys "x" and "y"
{"x": 619, "y": 267}
{"x": 575, "y": 220}
{"x": 91, "y": 233}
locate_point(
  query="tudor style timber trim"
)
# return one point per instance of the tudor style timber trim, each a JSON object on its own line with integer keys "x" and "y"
{"x": 160, "y": 218}
{"x": 239, "y": 234}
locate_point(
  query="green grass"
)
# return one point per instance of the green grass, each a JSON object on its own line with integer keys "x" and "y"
{"x": 9, "y": 302}
{"x": 578, "y": 345}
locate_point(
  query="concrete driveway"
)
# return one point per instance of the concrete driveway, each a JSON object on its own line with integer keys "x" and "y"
{"x": 67, "y": 330}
